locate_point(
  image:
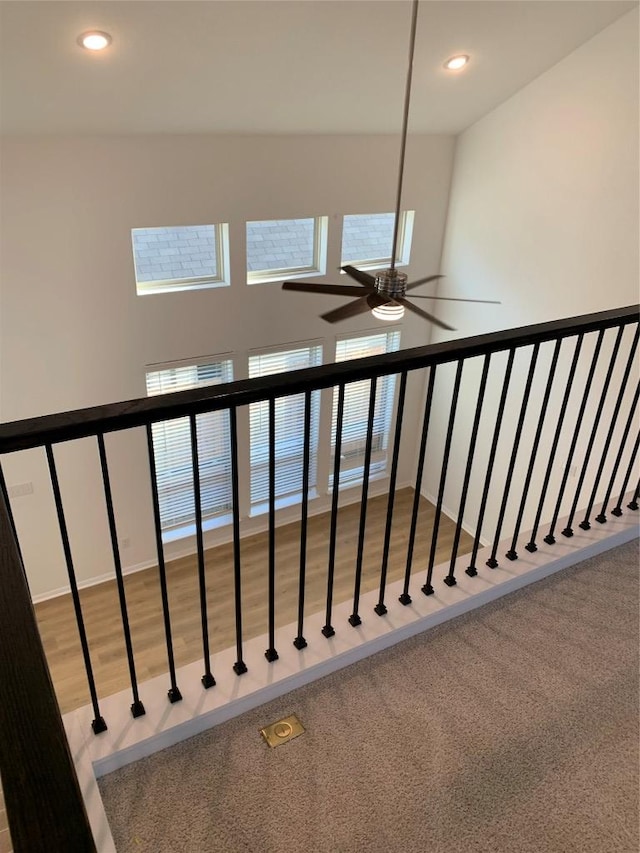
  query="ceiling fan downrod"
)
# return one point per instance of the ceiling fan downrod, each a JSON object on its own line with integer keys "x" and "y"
{"x": 403, "y": 145}
{"x": 385, "y": 294}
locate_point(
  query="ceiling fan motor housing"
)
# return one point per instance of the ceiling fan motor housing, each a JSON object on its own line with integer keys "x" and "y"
{"x": 391, "y": 283}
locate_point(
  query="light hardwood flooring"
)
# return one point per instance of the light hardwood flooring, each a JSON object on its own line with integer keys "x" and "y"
{"x": 102, "y": 614}
{"x": 5, "y": 838}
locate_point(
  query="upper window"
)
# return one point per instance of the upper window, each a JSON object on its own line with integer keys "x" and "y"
{"x": 289, "y": 430}
{"x": 180, "y": 258}
{"x": 172, "y": 447}
{"x": 279, "y": 249}
{"x": 356, "y": 410}
{"x": 367, "y": 239}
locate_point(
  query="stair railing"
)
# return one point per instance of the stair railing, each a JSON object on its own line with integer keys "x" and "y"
{"x": 43, "y": 799}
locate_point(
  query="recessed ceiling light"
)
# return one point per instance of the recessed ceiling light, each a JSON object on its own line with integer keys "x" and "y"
{"x": 455, "y": 63}
{"x": 94, "y": 40}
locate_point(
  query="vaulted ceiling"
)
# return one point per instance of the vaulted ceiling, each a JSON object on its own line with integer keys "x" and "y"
{"x": 276, "y": 66}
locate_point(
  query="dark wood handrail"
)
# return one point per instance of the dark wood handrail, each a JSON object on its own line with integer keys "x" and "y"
{"x": 82, "y": 423}
{"x": 44, "y": 804}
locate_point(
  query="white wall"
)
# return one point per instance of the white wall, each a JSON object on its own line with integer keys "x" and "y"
{"x": 74, "y": 333}
{"x": 543, "y": 216}
{"x": 544, "y": 203}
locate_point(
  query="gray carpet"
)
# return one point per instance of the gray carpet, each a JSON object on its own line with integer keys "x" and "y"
{"x": 512, "y": 728}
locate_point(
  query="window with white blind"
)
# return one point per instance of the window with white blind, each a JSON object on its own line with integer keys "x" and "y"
{"x": 172, "y": 447}
{"x": 289, "y": 430}
{"x": 356, "y": 410}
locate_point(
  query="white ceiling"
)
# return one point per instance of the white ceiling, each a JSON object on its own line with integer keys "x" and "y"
{"x": 276, "y": 66}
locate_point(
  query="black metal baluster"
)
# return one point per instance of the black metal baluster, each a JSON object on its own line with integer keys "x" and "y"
{"x": 239, "y": 666}
{"x": 467, "y": 473}
{"x": 492, "y": 562}
{"x": 405, "y": 598}
{"x": 271, "y": 654}
{"x": 550, "y": 538}
{"x": 355, "y": 619}
{"x": 137, "y": 708}
{"x": 427, "y": 589}
{"x": 12, "y": 523}
{"x": 568, "y": 531}
{"x": 328, "y": 629}
{"x": 584, "y": 524}
{"x": 601, "y": 517}
{"x": 300, "y": 641}
{"x": 380, "y": 607}
{"x": 634, "y": 500}
{"x": 531, "y": 545}
{"x": 471, "y": 569}
{"x": 511, "y": 554}
{"x": 173, "y": 693}
{"x": 98, "y": 724}
{"x": 617, "y": 510}
{"x": 207, "y": 679}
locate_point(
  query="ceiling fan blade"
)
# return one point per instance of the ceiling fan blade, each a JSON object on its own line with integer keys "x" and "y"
{"x": 359, "y": 275}
{"x": 423, "y": 314}
{"x": 426, "y": 280}
{"x": 351, "y": 309}
{"x": 455, "y": 299}
{"x": 338, "y": 289}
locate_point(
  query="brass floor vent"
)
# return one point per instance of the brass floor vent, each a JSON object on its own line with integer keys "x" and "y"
{"x": 282, "y": 731}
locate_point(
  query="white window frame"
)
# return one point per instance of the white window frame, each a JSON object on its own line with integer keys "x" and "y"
{"x": 380, "y": 457}
{"x": 175, "y": 285}
{"x": 318, "y": 267}
{"x": 171, "y": 532}
{"x": 403, "y": 249}
{"x": 260, "y": 506}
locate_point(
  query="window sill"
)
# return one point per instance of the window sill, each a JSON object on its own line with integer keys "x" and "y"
{"x": 142, "y": 290}
{"x": 357, "y": 484}
{"x": 187, "y": 530}
{"x": 275, "y": 278}
{"x": 281, "y": 503}
{"x": 374, "y": 265}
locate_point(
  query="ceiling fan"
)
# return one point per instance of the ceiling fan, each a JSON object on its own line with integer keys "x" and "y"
{"x": 384, "y": 294}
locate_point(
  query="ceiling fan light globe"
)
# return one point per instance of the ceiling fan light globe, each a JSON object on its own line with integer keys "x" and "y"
{"x": 390, "y": 311}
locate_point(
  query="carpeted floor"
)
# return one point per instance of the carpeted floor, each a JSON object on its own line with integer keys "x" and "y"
{"x": 513, "y": 728}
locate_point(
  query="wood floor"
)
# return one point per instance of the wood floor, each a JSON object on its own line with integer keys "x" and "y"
{"x": 5, "y": 840}
{"x": 102, "y": 614}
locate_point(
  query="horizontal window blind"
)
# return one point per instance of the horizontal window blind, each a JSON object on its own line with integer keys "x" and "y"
{"x": 356, "y": 410}
{"x": 289, "y": 428}
{"x": 172, "y": 446}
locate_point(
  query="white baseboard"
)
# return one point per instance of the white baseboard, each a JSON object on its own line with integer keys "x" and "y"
{"x": 94, "y": 581}
{"x": 177, "y": 550}
{"x": 453, "y": 516}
